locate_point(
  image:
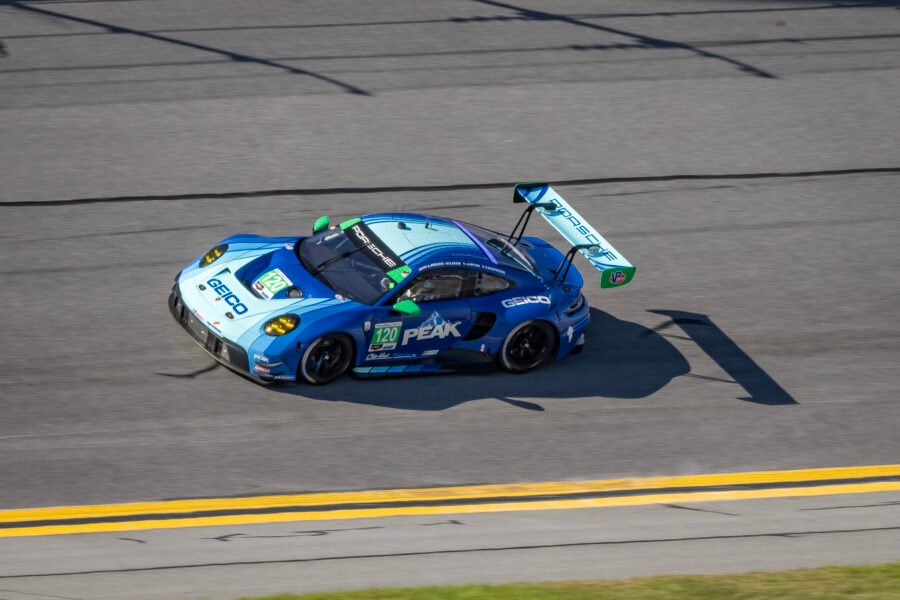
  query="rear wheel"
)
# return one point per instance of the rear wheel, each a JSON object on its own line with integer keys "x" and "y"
{"x": 527, "y": 347}
{"x": 326, "y": 359}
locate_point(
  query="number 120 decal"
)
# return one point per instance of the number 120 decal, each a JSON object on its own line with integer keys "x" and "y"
{"x": 271, "y": 282}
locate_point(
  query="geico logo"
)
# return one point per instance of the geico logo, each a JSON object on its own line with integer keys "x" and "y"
{"x": 227, "y": 295}
{"x": 520, "y": 300}
{"x": 427, "y": 332}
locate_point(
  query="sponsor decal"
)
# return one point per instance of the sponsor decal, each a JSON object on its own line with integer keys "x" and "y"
{"x": 433, "y": 327}
{"x": 271, "y": 282}
{"x": 227, "y": 295}
{"x": 430, "y": 352}
{"x": 262, "y": 369}
{"x": 262, "y": 358}
{"x": 617, "y": 277}
{"x": 289, "y": 246}
{"x": 373, "y": 247}
{"x": 523, "y": 300}
{"x": 284, "y": 377}
{"x": 385, "y": 336}
{"x": 388, "y": 356}
{"x": 585, "y": 230}
{"x": 461, "y": 263}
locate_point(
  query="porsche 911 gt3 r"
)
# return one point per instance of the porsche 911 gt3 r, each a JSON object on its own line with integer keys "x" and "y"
{"x": 395, "y": 294}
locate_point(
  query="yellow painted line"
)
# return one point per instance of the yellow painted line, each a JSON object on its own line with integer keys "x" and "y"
{"x": 362, "y": 513}
{"x": 444, "y": 493}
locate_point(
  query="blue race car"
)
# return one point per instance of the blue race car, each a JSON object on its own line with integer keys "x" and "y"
{"x": 395, "y": 294}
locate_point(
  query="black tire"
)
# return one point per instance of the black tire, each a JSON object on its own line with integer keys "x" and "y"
{"x": 528, "y": 346}
{"x": 325, "y": 359}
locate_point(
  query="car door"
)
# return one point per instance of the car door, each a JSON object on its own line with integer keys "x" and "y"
{"x": 444, "y": 320}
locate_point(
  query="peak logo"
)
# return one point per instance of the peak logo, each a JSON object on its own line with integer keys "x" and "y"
{"x": 433, "y": 327}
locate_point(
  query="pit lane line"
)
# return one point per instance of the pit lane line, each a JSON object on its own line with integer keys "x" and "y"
{"x": 448, "y": 500}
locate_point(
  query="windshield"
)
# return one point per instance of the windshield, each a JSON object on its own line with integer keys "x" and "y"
{"x": 340, "y": 263}
{"x": 503, "y": 249}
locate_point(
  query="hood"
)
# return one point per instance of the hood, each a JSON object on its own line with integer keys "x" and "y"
{"x": 238, "y": 296}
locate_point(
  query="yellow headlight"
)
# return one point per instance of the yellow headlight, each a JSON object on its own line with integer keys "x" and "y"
{"x": 213, "y": 255}
{"x": 281, "y": 325}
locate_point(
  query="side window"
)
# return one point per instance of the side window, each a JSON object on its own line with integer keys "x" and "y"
{"x": 486, "y": 284}
{"x": 444, "y": 284}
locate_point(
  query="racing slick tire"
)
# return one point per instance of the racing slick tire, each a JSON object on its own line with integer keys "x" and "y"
{"x": 325, "y": 359}
{"x": 528, "y": 346}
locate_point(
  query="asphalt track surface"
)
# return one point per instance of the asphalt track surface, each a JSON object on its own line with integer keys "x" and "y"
{"x": 743, "y": 154}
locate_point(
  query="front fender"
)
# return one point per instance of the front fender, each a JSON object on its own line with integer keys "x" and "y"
{"x": 287, "y": 349}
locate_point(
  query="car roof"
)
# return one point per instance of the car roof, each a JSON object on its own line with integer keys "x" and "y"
{"x": 421, "y": 240}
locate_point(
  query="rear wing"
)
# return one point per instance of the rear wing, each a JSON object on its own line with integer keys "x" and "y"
{"x": 615, "y": 270}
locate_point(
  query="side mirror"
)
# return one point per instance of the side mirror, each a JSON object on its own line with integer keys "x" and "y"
{"x": 407, "y": 307}
{"x": 321, "y": 224}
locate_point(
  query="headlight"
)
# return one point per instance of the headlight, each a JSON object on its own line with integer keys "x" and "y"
{"x": 281, "y": 325}
{"x": 213, "y": 255}
{"x": 575, "y": 306}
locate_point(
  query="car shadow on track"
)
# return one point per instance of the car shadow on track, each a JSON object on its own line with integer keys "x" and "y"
{"x": 621, "y": 359}
{"x": 743, "y": 370}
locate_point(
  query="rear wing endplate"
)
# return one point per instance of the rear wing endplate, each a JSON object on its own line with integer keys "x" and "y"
{"x": 614, "y": 268}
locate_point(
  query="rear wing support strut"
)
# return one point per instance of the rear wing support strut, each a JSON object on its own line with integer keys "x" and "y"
{"x": 526, "y": 215}
{"x": 568, "y": 258}
{"x": 615, "y": 270}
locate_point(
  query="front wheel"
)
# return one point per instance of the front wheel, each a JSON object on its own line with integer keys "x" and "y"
{"x": 326, "y": 359}
{"x": 527, "y": 347}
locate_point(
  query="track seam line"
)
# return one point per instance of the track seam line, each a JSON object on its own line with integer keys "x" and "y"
{"x": 781, "y": 534}
{"x": 435, "y": 188}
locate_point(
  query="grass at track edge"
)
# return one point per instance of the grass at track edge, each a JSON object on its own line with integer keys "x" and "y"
{"x": 875, "y": 582}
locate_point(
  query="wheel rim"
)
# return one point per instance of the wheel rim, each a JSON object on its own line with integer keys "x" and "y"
{"x": 528, "y": 347}
{"x": 327, "y": 359}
